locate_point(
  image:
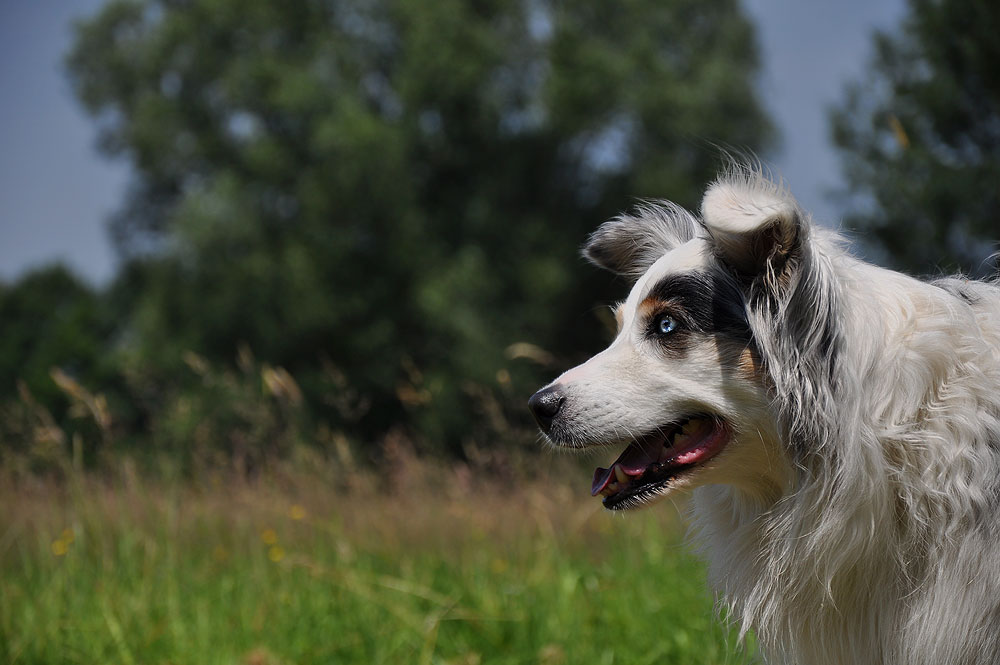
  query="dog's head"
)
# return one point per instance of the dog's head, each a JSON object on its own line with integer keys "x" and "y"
{"x": 684, "y": 385}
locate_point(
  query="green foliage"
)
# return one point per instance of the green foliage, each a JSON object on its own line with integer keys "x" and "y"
{"x": 920, "y": 138}
{"x": 244, "y": 416}
{"x": 55, "y": 338}
{"x": 384, "y": 197}
{"x": 49, "y": 319}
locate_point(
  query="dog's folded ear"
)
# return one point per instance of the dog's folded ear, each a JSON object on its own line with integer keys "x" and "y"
{"x": 754, "y": 226}
{"x": 628, "y": 244}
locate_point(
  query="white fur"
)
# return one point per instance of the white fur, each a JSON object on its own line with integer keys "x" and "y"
{"x": 853, "y": 518}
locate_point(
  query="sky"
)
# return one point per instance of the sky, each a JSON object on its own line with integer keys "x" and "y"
{"x": 810, "y": 49}
{"x": 57, "y": 191}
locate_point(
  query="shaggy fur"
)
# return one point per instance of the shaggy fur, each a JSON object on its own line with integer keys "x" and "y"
{"x": 852, "y": 516}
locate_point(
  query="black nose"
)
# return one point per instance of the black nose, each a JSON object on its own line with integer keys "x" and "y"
{"x": 545, "y": 404}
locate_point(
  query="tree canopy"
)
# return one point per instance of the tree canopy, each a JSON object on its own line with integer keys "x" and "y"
{"x": 384, "y": 196}
{"x": 920, "y": 139}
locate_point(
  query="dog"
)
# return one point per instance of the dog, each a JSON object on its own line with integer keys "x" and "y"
{"x": 838, "y": 424}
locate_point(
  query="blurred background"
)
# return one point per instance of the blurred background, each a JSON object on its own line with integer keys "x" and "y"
{"x": 277, "y": 278}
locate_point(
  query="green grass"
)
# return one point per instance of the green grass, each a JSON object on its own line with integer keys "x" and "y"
{"x": 444, "y": 568}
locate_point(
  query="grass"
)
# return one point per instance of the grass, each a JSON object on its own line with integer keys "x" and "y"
{"x": 422, "y": 566}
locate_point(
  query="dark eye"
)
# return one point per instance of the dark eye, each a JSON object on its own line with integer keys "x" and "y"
{"x": 666, "y": 324}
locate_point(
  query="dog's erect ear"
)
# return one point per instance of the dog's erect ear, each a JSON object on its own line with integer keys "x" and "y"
{"x": 630, "y": 243}
{"x": 754, "y": 226}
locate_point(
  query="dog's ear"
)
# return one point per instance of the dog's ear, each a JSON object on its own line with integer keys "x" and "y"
{"x": 754, "y": 226}
{"x": 628, "y": 244}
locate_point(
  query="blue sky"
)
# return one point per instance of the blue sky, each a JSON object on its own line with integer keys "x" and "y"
{"x": 56, "y": 191}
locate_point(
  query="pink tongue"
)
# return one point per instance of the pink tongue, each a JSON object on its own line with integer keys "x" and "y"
{"x": 633, "y": 461}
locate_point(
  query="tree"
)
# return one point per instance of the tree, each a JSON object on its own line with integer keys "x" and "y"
{"x": 382, "y": 196}
{"x": 920, "y": 138}
{"x": 50, "y": 319}
{"x": 55, "y": 334}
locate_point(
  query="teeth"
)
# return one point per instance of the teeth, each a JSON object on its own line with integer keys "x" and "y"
{"x": 620, "y": 474}
{"x": 611, "y": 488}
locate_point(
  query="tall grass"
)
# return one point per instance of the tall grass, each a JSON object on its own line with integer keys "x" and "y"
{"x": 418, "y": 565}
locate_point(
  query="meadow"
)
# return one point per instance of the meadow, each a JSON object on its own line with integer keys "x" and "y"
{"x": 422, "y": 563}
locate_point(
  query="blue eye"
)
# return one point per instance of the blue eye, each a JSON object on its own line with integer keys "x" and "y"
{"x": 667, "y": 324}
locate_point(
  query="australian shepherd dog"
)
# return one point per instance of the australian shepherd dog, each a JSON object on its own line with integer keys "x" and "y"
{"x": 838, "y": 423}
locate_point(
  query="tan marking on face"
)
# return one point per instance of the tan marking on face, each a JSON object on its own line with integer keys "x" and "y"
{"x": 647, "y": 305}
{"x": 750, "y": 366}
{"x": 651, "y": 305}
{"x": 620, "y": 316}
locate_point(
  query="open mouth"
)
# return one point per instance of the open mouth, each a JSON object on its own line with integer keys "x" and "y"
{"x": 651, "y": 462}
